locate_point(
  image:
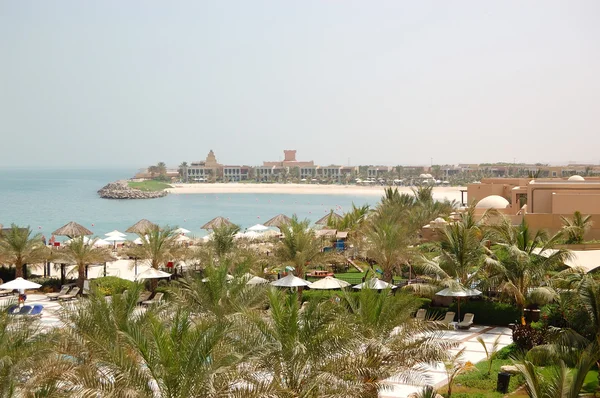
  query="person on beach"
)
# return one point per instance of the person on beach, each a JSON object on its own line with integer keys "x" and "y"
{"x": 44, "y": 239}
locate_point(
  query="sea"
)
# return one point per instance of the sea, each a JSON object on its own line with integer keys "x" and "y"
{"x": 46, "y": 199}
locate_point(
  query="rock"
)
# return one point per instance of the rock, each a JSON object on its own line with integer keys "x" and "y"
{"x": 121, "y": 190}
{"x": 509, "y": 369}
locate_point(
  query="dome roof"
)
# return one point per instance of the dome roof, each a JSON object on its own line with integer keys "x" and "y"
{"x": 492, "y": 202}
{"x": 576, "y": 178}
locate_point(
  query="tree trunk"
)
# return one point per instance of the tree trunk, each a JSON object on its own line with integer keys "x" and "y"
{"x": 18, "y": 270}
{"x": 387, "y": 274}
{"x": 80, "y": 276}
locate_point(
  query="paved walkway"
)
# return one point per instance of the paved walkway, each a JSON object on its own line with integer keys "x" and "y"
{"x": 474, "y": 352}
{"x": 435, "y": 375}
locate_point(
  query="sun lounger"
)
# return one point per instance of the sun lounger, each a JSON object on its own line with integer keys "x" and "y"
{"x": 157, "y": 299}
{"x": 5, "y": 292}
{"x": 144, "y": 296}
{"x": 37, "y": 310}
{"x": 12, "y": 309}
{"x": 63, "y": 291}
{"x": 421, "y": 314}
{"x": 448, "y": 319}
{"x": 23, "y": 311}
{"x": 71, "y": 295}
{"x": 467, "y": 321}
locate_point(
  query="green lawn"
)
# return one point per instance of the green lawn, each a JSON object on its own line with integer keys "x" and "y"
{"x": 149, "y": 185}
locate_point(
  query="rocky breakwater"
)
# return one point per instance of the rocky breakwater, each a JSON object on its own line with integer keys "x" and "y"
{"x": 120, "y": 190}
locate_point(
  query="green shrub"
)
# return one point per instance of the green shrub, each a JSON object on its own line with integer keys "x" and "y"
{"x": 508, "y": 351}
{"x": 526, "y": 337}
{"x": 489, "y": 312}
{"x": 552, "y": 315}
{"x": 48, "y": 284}
{"x": 110, "y": 285}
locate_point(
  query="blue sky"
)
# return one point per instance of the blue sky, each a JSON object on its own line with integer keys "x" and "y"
{"x": 129, "y": 83}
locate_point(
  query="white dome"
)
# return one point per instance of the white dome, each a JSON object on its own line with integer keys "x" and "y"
{"x": 492, "y": 202}
{"x": 576, "y": 178}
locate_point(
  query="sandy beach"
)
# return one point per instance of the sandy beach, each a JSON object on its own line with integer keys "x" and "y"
{"x": 302, "y": 189}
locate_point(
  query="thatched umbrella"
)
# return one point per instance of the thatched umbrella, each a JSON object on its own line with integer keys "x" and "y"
{"x": 216, "y": 222}
{"x": 324, "y": 220}
{"x": 278, "y": 221}
{"x": 141, "y": 227}
{"x": 72, "y": 230}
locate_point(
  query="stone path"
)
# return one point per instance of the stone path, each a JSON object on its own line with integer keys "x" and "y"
{"x": 474, "y": 352}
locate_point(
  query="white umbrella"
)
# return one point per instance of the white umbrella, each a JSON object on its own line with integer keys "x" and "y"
{"x": 258, "y": 228}
{"x": 182, "y": 238}
{"x": 329, "y": 283}
{"x": 115, "y": 239}
{"x": 20, "y": 283}
{"x": 152, "y": 273}
{"x": 115, "y": 233}
{"x": 138, "y": 240}
{"x": 182, "y": 231}
{"x": 458, "y": 292}
{"x": 290, "y": 281}
{"x": 375, "y": 284}
{"x": 101, "y": 243}
{"x": 255, "y": 280}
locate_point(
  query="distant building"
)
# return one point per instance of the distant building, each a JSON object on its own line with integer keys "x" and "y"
{"x": 289, "y": 160}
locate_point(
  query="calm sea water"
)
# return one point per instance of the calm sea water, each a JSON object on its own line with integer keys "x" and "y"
{"x": 48, "y": 199}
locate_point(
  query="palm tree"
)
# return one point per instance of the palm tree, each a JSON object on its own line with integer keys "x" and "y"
{"x": 223, "y": 239}
{"x": 295, "y": 346}
{"x": 159, "y": 246}
{"x": 299, "y": 246}
{"x": 576, "y": 228}
{"x": 518, "y": 267}
{"x": 388, "y": 244}
{"x": 183, "y": 171}
{"x": 18, "y": 248}
{"x": 562, "y": 382}
{"x": 23, "y": 346}
{"x": 110, "y": 349}
{"x": 83, "y": 254}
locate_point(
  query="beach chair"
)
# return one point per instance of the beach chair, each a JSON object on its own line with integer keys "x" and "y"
{"x": 421, "y": 314}
{"x": 71, "y": 295}
{"x": 448, "y": 319}
{"x": 37, "y": 310}
{"x": 12, "y": 309}
{"x": 23, "y": 311}
{"x": 157, "y": 299}
{"x": 54, "y": 296}
{"x": 466, "y": 322}
{"x": 144, "y": 296}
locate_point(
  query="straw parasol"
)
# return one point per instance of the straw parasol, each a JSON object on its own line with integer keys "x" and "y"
{"x": 278, "y": 221}
{"x": 216, "y": 222}
{"x": 324, "y": 220}
{"x": 71, "y": 230}
{"x": 141, "y": 227}
{"x": 290, "y": 281}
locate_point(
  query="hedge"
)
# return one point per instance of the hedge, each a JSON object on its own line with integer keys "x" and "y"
{"x": 486, "y": 312}
{"x": 110, "y": 285}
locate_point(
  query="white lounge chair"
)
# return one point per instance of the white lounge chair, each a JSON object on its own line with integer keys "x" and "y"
{"x": 54, "y": 296}
{"x": 144, "y": 296}
{"x": 448, "y": 319}
{"x": 157, "y": 299}
{"x": 421, "y": 314}
{"x": 71, "y": 295}
{"x": 467, "y": 321}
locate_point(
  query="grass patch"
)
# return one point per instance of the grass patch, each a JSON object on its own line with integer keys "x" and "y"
{"x": 149, "y": 185}
{"x": 477, "y": 383}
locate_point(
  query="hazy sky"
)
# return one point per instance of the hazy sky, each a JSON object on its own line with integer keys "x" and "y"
{"x": 129, "y": 83}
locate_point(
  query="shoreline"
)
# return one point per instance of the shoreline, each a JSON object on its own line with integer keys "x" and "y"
{"x": 298, "y": 189}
